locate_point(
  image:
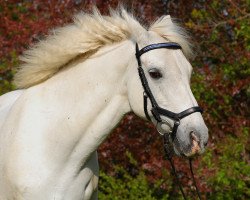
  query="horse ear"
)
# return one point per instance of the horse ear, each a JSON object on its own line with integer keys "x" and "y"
{"x": 163, "y": 21}
{"x": 167, "y": 18}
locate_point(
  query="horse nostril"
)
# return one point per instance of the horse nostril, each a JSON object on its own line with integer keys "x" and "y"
{"x": 205, "y": 144}
{"x": 194, "y": 137}
{"x": 195, "y": 143}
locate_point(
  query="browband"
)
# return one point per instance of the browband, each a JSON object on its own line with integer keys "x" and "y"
{"x": 169, "y": 45}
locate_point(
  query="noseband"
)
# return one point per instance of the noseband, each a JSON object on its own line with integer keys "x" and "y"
{"x": 157, "y": 111}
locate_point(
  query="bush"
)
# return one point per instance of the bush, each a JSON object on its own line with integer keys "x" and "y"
{"x": 125, "y": 186}
{"x": 231, "y": 179}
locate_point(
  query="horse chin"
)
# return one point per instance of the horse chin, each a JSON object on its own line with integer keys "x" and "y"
{"x": 191, "y": 153}
{"x": 182, "y": 154}
{"x": 177, "y": 151}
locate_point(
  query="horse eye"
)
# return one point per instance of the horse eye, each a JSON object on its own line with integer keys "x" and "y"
{"x": 155, "y": 73}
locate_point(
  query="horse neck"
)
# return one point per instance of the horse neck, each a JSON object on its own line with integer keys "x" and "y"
{"x": 92, "y": 97}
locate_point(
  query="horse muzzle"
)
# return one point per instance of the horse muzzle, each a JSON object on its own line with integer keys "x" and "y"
{"x": 196, "y": 147}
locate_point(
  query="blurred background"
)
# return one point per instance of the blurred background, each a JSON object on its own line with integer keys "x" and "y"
{"x": 132, "y": 165}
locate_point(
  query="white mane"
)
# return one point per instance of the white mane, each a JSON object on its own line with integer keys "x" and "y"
{"x": 85, "y": 36}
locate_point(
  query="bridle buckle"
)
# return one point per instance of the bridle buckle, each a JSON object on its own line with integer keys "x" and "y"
{"x": 160, "y": 129}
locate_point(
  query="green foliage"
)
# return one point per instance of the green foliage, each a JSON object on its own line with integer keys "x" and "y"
{"x": 7, "y": 73}
{"x": 232, "y": 177}
{"x": 201, "y": 91}
{"x": 132, "y": 183}
{"x": 199, "y": 14}
{"x": 5, "y": 86}
{"x": 126, "y": 186}
{"x": 243, "y": 32}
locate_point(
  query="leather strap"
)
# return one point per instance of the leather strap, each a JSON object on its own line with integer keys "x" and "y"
{"x": 145, "y": 102}
{"x": 169, "y": 45}
{"x": 146, "y": 87}
{"x": 176, "y": 116}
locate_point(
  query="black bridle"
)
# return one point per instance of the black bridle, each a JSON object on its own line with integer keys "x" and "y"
{"x": 157, "y": 111}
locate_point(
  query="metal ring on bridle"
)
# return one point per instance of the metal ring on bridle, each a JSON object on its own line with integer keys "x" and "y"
{"x": 160, "y": 129}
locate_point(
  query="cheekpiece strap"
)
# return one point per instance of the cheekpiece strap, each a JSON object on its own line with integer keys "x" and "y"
{"x": 145, "y": 102}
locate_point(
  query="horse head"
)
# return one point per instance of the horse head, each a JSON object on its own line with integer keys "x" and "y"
{"x": 164, "y": 81}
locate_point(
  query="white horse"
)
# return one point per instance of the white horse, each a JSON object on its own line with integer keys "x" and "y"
{"x": 74, "y": 88}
